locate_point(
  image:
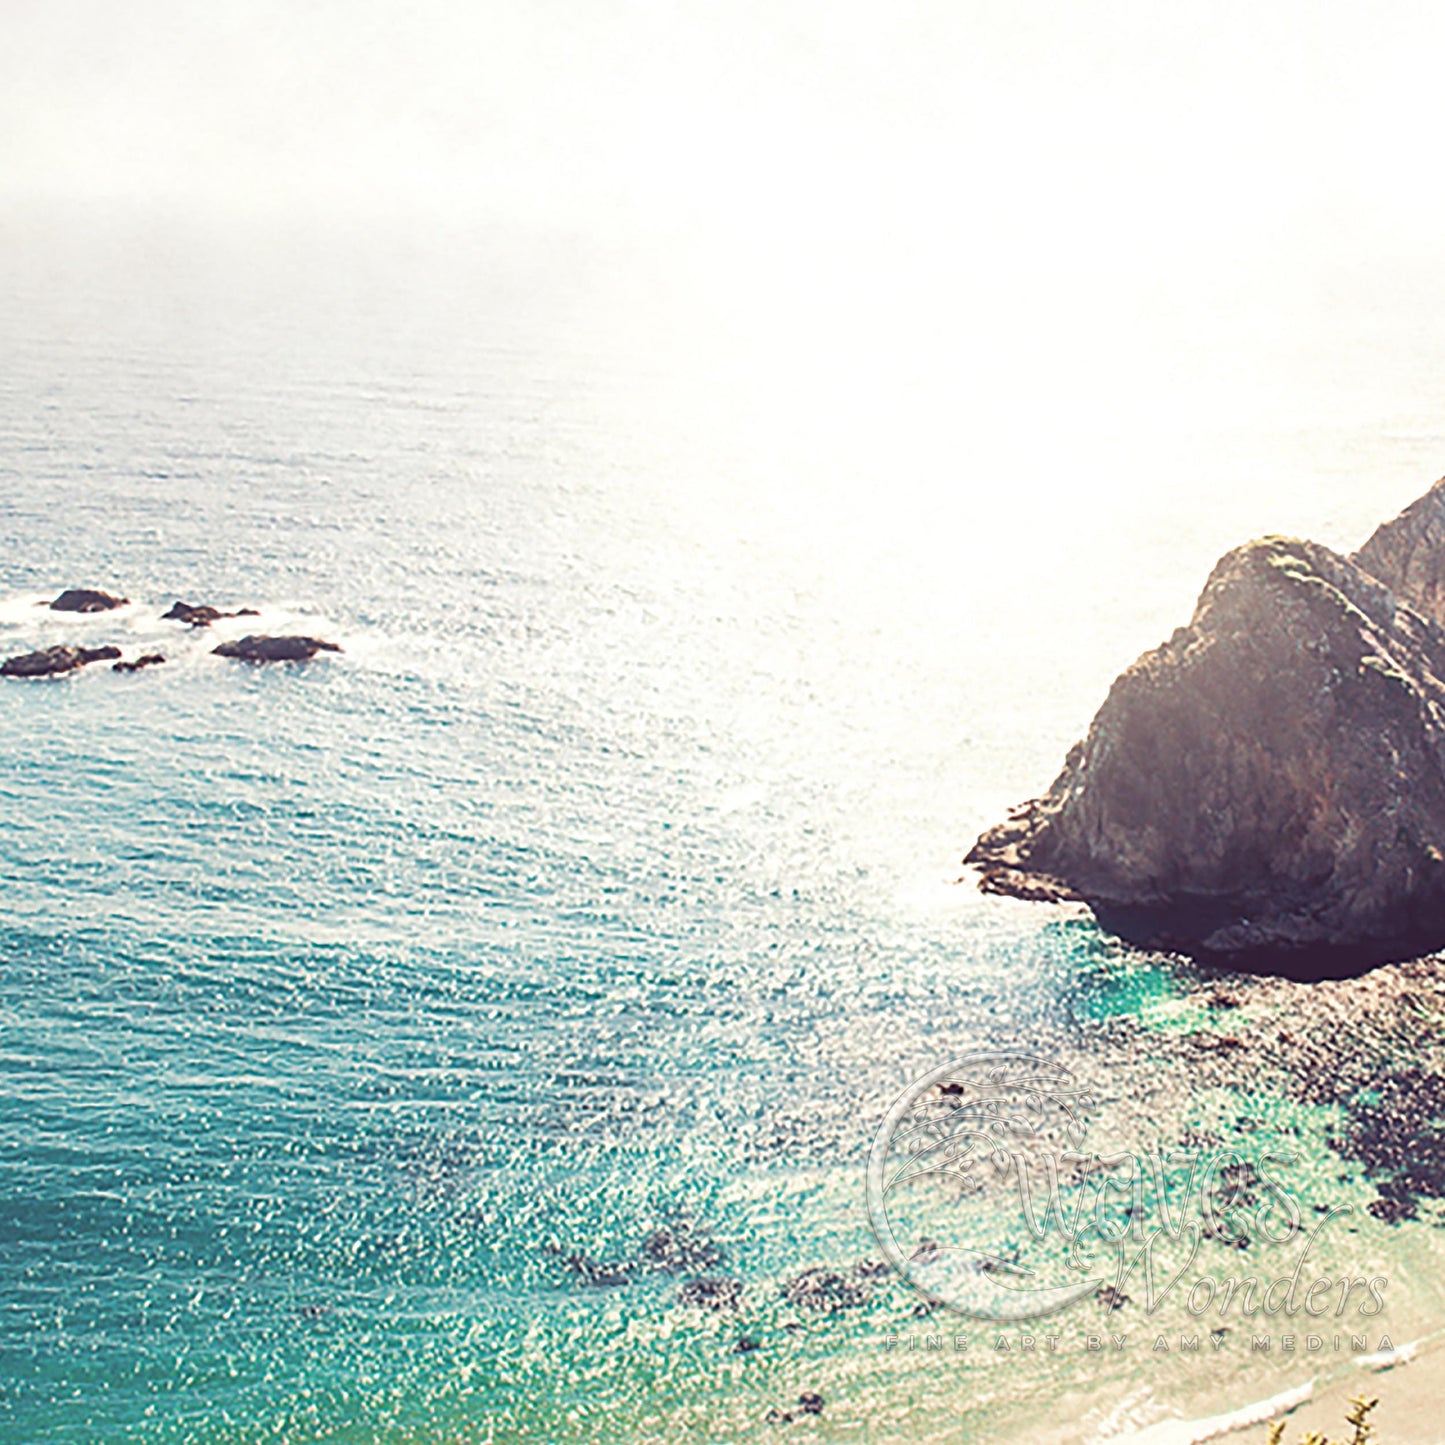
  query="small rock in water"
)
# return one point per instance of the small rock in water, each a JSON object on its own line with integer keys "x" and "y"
{"x": 872, "y": 1269}
{"x": 822, "y": 1289}
{"x": 681, "y": 1248}
{"x": 275, "y": 649}
{"x": 809, "y": 1403}
{"x": 711, "y": 1292}
{"x": 1390, "y": 1209}
{"x": 597, "y": 1275}
{"x": 50, "y": 661}
{"x": 84, "y": 599}
{"x": 151, "y": 659}
{"x": 202, "y": 615}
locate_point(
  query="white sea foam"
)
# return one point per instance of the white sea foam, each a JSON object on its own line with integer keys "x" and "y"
{"x": 1190, "y": 1432}
{"x": 1388, "y": 1359}
{"x": 23, "y": 607}
{"x": 140, "y": 627}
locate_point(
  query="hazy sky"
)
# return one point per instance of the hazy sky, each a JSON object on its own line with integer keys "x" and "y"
{"x": 979, "y": 226}
{"x": 1190, "y": 121}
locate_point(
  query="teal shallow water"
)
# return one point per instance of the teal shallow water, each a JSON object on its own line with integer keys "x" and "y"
{"x": 603, "y": 884}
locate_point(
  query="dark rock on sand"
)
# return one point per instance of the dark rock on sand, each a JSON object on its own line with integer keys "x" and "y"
{"x": 809, "y": 1403}
{"x": 83, "y": 599}
{"x": 151, "y": 659}
{"x": 1267, "y": 788}
{"x": 202, "y": 616}
{"x": 52, "y": 660}
{"x": 275, "y": 649}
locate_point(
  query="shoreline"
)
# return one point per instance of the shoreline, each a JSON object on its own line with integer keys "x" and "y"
{"x": 1408, "y": 1382}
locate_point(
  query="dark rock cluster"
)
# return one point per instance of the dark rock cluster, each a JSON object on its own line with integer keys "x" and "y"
{"x": 711, "y": 1292}
{"x": 52, "y": 661}
{"x": 825, "y": 1290}
{"x": 809, "y": 1403}
{"x": 1266, "y": 788}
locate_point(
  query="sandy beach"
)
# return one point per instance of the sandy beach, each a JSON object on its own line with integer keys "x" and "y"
{"x": 1409, "y": 1391}
{"x": 1409, "y": 1412}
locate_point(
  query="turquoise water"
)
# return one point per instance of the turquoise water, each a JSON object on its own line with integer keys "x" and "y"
{"x": 603, "y": 884}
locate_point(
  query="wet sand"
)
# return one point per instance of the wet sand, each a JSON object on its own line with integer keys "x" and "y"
{"x": 1411, "y": 1409}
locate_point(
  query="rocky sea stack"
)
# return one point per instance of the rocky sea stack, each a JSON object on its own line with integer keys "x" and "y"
{"x": 86, "y": 599}
{"x": 202, "y": 615}
{"x": 1267, "y": 788}
{"x": 52, "y": 661}
{"x": 275, "y": 649}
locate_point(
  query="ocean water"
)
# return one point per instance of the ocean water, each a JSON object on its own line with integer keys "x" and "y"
{"x": 363, "y": 1019}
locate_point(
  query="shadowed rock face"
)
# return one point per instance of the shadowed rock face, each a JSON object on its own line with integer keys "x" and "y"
{"x": 52, "y": 660}
{"x": 275, "y": 649}
{"x": 1268, "y": 787}
{"x": 82, "y": 599}
{"x": 1408, "y": 554}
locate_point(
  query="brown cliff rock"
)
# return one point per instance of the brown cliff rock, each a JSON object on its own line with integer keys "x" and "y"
{"x": 1408, "y": 554}
{"x": 1267, "y": 788}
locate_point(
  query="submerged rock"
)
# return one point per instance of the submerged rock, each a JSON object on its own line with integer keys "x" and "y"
{"x": 202, "y": 616}
{"x": 275, "y": 649}
{"x": 824, "y": 1290}
{"x": 674, "y": 1248}
{"x": 1267, "y": 788}
{"x": 597, "y": 1275}
{"x": 50, "y": 661}
{"x": 83, "y": 599}
{"x": 711, "y": 1293}
{"x": 150, "y": 659}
